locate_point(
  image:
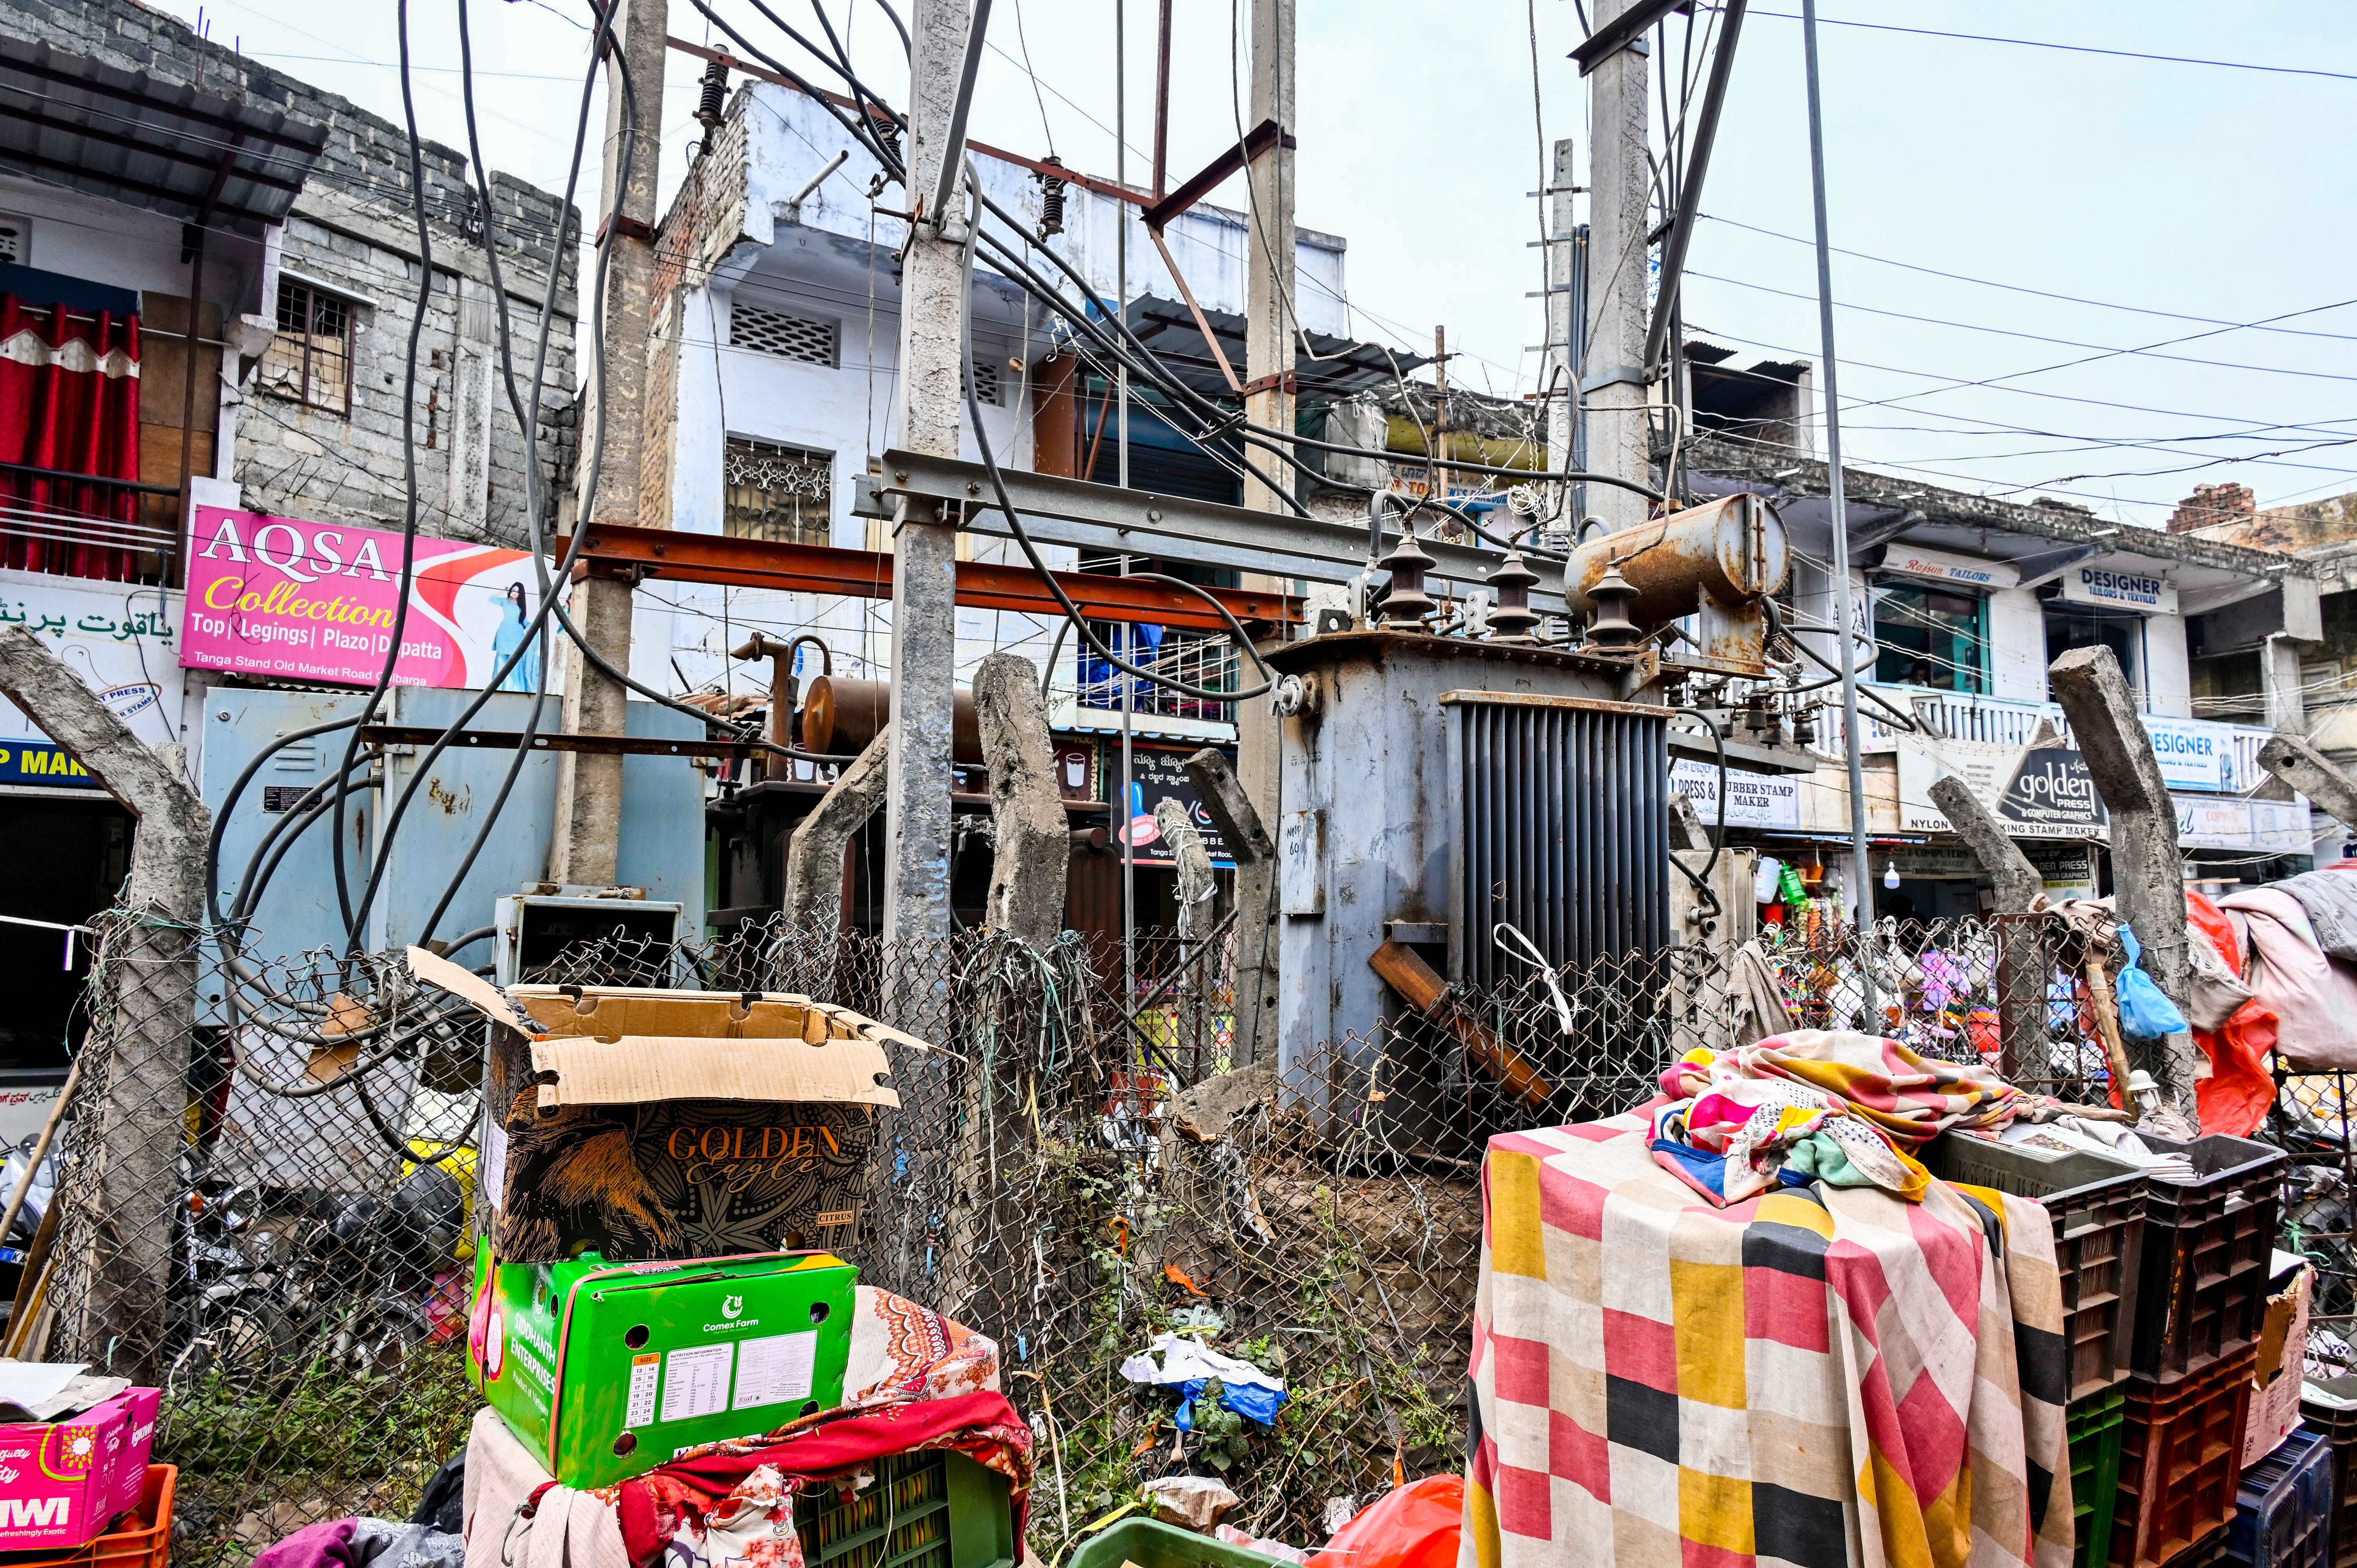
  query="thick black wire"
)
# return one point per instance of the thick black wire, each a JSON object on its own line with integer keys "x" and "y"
{"x": 409, "y": 469}
{"x": 1031, "y": 553}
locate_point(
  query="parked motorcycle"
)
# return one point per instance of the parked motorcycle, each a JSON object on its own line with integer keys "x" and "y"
{"x": 282, "y": 1282}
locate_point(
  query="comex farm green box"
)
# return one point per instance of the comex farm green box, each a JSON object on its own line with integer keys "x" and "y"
{"x": 605, "y": 1371}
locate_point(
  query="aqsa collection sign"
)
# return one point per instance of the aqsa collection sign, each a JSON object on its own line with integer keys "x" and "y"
{"x": 277, "y": 596}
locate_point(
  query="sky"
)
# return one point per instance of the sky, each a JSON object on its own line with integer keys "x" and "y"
{"x": 2172, "y": 203}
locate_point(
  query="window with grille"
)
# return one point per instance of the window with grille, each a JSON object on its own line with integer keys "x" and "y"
{"x": 788, "y": 337}
{"x": 986, "y": 381}
{"x": 310, "y": 359}
{"x": 780, "y": 493}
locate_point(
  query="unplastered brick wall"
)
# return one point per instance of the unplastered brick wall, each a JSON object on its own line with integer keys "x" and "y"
{"x": 353, "y": 235}
{"x": 706, "y": 220}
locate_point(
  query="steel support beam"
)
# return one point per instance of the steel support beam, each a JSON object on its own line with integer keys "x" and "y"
{"x": 1106, "y": 517}
{"x": 638, "y": 554}
{"x": 1618, "y": 33}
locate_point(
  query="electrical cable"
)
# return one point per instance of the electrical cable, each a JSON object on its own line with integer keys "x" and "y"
{"x": 1031, "y": 553}
{"x": 409, "y": 468}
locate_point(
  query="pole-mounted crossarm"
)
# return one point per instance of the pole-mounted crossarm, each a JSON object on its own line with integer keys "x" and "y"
{"x": 976, "y": 36}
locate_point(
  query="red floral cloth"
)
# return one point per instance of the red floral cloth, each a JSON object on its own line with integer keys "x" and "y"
{"x": 983, "y": 1426}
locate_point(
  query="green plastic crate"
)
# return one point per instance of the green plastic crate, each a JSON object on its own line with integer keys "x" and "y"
{"x": 2094, "y": 1426}
{"x": 1150, "y": 1544}
{"x": 933, "y": 1508}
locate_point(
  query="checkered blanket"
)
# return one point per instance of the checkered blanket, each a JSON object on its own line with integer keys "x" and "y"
{"x": 1820, "y": 1377}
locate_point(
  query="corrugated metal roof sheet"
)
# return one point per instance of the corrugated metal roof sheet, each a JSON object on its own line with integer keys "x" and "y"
{"x": 67, "y": 120}
{"x": 1340, "y": 367}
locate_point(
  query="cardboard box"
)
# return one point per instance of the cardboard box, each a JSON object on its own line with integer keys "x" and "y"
{"x": 605, "y": 1372}
{"x": 2283, "y": 1352}
{"x": 644, "y": 1126}
{"x": 58, "y": 1479}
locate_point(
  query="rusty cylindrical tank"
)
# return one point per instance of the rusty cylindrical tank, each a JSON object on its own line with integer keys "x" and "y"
{"x": 841, "y": 715}
{"x": 1734, "y": 550}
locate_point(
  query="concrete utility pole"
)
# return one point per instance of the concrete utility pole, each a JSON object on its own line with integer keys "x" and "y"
{"x": 813, "y": 881}
{"x": 1269, "y": 353}
{"x": 589, "y": 786}
{"x": 1027, "y": 813}
{"x": 1269, "y": 326}
{"x": 149, "y": 951}
{"x": 1612, "y": 382}
{"x": 924, "y": 538}
{"x": 1566, "y": 321}
{"x": 2021, "y": 968}
{"x": 2310, "y": 773}
{"x": 2148, "y": 885}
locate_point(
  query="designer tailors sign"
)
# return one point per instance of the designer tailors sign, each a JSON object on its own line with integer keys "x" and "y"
{"x": 277, "y": 596}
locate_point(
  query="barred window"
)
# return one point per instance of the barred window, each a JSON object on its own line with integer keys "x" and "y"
{"x": 985, "y": 382}
{"x": 310, "y": 359}
{"x": 802, "y": 337}
{"x": 780, "y": 493}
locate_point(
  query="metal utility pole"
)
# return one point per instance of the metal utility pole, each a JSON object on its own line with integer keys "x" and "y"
{"x": 924, "y": 535}
{"x": 589, "y": 786}
{"x": 1612, "y": 382}
{"x": 1845, "y": 595}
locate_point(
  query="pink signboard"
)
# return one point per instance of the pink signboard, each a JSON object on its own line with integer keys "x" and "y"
{"x": 315, "y": 601}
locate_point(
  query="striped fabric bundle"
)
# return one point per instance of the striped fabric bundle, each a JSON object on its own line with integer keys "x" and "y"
{"x": 1819, "y": 1377}
{"x": 1911, "y": 1098}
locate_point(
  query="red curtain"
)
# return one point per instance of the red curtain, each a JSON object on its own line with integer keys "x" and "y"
{"x": 68, "y": 401}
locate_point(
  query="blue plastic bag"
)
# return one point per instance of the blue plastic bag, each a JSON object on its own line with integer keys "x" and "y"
{"x": 1255, "y": 1402}
{"x": 2145, "y": 1011}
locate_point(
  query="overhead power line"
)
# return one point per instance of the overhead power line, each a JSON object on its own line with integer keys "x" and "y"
{"x": 2071, "y": 49}
{"x": 2041, "y": 337}
{"x": 2039, "y": 292}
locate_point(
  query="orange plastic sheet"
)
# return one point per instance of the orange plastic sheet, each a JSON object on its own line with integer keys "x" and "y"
{"x": 2235, "y": 1097}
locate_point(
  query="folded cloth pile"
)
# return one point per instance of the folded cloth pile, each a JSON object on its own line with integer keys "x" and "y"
{"x": 1829, "y": 1105}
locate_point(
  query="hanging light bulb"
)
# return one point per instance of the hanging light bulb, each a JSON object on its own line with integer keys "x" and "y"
{"x": 1890, "y": 875}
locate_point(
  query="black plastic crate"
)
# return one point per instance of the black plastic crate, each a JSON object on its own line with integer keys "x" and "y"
{"x": 2202, "y": 1291}
{"x": 2097, "y": 1206}
{"x": 2339, "y": 1430}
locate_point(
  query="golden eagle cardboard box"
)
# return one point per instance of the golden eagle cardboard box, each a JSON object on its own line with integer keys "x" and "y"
{"x": 650, "y": 1125}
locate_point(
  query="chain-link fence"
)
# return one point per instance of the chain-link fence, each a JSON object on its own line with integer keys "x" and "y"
{"x": 264, "y": 1195}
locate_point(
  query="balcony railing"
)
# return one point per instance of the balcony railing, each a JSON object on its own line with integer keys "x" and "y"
{"x": 1999, "y": 721}
{"x": 1211, "y": 663}
{"x": 81, "y": 525}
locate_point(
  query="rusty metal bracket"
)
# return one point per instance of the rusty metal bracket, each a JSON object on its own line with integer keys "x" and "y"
{"x": 1259, "y": 139}
{"x": 509, "y": 740}
{"x": 1276, "y": 380}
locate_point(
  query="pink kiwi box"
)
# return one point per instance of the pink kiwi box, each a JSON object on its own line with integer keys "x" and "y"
{"x": 61, "y": 1483}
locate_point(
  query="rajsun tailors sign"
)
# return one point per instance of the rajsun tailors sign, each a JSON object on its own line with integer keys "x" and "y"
{"x": 277, "y": 596}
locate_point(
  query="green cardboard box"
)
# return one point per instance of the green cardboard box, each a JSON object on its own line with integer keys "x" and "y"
{"x": 607, "y": 1370}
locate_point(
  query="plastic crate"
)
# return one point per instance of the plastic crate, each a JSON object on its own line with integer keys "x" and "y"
{"x": 2283, "y": 1516}
{"x": 2181, "y": 1459}
{"x": 2339, "y": 1430}
{"x": 2095, "y": 1427}
{"x": 2202, "y": 1294}
{"x": 932, "y": 1508}
{"x": 2097, "y": 1206}
{"x": 143, "y": 1541}
{"x": 1150, "y": 1544}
